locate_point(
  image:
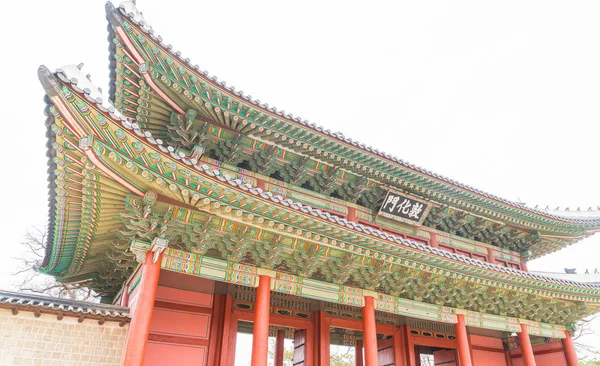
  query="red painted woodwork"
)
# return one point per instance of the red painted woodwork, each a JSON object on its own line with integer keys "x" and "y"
{"x": 464, "y": 253}
{"x": 418, "y": 240}
{"x": 358, "y": 353}
{"x": 370, "y": 332}
{"x": 524, "y": 265}
{"x": 180, "y": 321}
{"x": 139, "y": 328}
{"x": 160, "y": 354}
{"x": 227, "y": 321}
{"x": 491, "y": 257}
{"x": 351, "y": 214}
{"x": 324, "y": 330}
{"x": 181, "y": 307}
{"x": 184, "y": 297}
{"x": 385, "y": 352}
{"x": 446, "y": 357}
{"x": 417, "y": 361}
{"x": 508, "y": 359}
{"x": 483, "y": 258}
{"x": 433, "y": 242}
{"x": 549, "y": 354}
{"x": 260, "y": 335}
{"x": 410, "y": 347}
{"x": 125, "y": 296}
{"x": 487, "y": 351}
{"x": 544, "y": 354}
{"x": 399, "y": 340}
{"x": 447, "y": 248}
{"x": 464, "y": 353}
{"x": 233, "y": 327}
{"x": 526, "y": 349}
{"x": 310, "y": 353}
{"x": 555, "y": 358}
{"x": 433, "y": 342}
{"x": 133, "y": 297}
{"x": 186, "y": 282}
{"x": 359, "y": 325}
{"x": 300, "y": 347}
{"x": 470, "y": 347}
{"x": 279, "y": 347}
{"x": 569, "y": 349}
{"x": 216, "y": 329}
{"x": 489, "y": 342}
{"x": 274, "y": 319}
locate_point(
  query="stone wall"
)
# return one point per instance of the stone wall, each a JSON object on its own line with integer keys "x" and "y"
{"x": 27, "y": 340}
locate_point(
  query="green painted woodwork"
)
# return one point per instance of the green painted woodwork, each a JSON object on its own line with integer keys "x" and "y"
{"x": 247, "y": 275}
{"x": 113, "y": 185}
{"x": 518, "y": 229}
{"x": 241, "y": 227}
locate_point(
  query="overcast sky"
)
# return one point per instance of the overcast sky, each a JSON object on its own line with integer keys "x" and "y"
{"x": 502, "y": 96}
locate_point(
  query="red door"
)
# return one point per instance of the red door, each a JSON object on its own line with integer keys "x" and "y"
{"x": 299, "y": 347}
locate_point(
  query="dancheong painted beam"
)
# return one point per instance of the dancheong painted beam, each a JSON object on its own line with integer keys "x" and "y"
{"x": 180, "y": 175}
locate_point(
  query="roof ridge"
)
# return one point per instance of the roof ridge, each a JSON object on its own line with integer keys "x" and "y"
{"x": 30, "y": 299}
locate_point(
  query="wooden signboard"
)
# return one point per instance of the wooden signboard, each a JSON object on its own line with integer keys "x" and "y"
{"x": 400, "y": 207}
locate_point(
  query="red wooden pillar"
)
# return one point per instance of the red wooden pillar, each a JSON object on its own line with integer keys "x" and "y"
{"x": 491, "y": 258}
{"x": 524, "y": 265}
{"x": 324, "y": 340}
{"x": 370, "y": 332}
{"x": 218, "y": 329}
{"x": 526, "y": 349}
{"x": 260, "y": 336}
{"x": 399, "y": 343}
{"x": 260, "y": 184}
{"x": 310, "y": 348}
{"x": 433, "y": 242}
{"x": 464, "y": 354}
{"x": 125, "y": 296}
{"x": 139, "y": 328}
{"x": 569, "y": 349}
{"x": 410, "y": 347}
{"x": 279, "y": 347}
{"x": 358, "y": 358}
{"x": 470, "y": 347}
{"x": 351, "y": 214}
{"x": 226, "y": 346}
{"x": 228, "y": 358}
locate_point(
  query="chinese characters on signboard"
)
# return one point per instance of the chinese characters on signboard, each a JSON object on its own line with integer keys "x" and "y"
{"x": 398, "y": 207}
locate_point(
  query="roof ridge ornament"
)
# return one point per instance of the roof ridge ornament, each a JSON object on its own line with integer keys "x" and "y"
{"x": 578, "y": 212}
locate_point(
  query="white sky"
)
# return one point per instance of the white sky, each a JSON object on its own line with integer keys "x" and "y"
{"x": 502, "y": 96}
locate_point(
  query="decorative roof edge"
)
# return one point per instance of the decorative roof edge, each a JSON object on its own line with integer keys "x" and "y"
{"x": 50, "y": 153}
{"x": 81, "y": 83}
{"x": 129, "y": 9}
{"x": 23, "y": 301}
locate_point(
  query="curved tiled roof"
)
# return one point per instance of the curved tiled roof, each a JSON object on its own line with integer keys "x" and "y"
{"x": 31, "y": 302}
{"x": 80, "y": 82}
{"x": 129, "y": 9}
{"x": 50, "y": 153}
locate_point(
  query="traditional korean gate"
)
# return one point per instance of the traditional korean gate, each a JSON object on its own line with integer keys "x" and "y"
{"x": 299, "y": 347}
